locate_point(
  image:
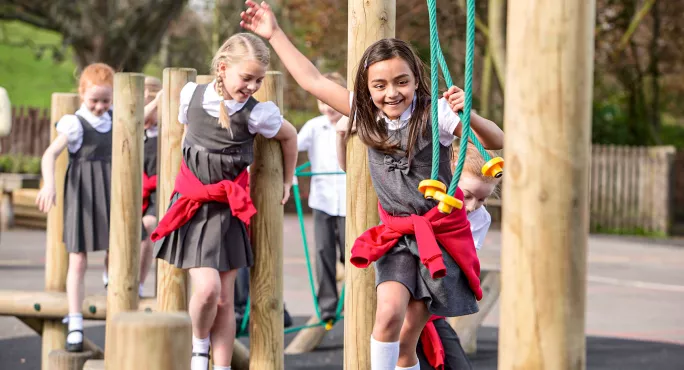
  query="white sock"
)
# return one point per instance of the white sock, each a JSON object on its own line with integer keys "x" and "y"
{"x": 140, "y": 290}
{"x": 216, "y": 367}
{"x": 75, "y": 323}
{"x": 105, "y": 278}
{"x": 414, "y": 367}
{"x": 384, "y": 355}
{"x": 199, "y": 346}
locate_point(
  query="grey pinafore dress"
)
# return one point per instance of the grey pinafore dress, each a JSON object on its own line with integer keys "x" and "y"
{"x": 213, "y": 237}
{"x": 87, "y": 192}
{"x": 150, "y": 168}
{"x": 396, "y": 183}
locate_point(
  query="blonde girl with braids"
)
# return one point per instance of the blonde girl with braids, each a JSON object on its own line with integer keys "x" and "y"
{"x": 204, "y": 229}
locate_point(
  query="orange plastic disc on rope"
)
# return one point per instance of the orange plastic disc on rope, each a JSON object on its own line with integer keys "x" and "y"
{"x": 430, "y": 187}
{"x": 493, "y": 168}
{"x": 447, "y": 203}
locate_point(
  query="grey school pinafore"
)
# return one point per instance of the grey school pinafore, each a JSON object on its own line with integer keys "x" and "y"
{"x": 87, "y": 192}
{"x": 396, "y": 180}
{"x": 213, "y": 237}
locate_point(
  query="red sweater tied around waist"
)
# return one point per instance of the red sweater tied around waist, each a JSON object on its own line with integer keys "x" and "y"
{"x": 194, "y": 194}
{"x": 149, "y": 185}
{"x": 452, "y": 231}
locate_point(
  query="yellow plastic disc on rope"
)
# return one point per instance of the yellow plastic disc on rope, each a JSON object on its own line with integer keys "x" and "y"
{"x": 493, "y": 168}
{"x": 430, "y": 187}
{"x": 329, "y": 325}
{"x": 447, "y": 203}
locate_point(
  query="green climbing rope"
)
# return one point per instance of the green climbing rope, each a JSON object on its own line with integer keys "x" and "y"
{"x": 299, "y": 172}
{"x": 437, "y": 60}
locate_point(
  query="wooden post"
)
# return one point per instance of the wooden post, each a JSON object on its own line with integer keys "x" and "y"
{"x": 548, "y": 135}
{"x": 205, "y": 79}
{"x": 368, "y": 22}
{"x": 172, "y": 283}
{"x": 266, "y": 276}
{"x": 94, "y": 365}
{"x": 151, "y": 341}
{"x": 60, "y": 359}
{"x": 56, "y": 256}
{"x": 126, "y": 204}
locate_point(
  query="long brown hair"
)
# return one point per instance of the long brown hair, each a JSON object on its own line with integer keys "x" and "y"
{"x": 364, "y": 114}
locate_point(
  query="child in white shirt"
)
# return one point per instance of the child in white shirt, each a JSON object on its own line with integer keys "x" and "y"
{"x": 327, "y": 199}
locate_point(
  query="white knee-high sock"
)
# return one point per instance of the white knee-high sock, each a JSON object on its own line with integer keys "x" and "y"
{"x": 384, "y": 355}
{"x": 75, "y": 321}
{"x": 221, "y": 367}
{"x": 414, "y": 367}
{"x": 200, "y": 346}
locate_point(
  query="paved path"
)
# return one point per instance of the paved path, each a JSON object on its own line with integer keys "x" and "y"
{"x": 635, "y": 302}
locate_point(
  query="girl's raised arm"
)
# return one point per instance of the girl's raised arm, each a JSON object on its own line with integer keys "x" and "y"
{"x": 259, "y": 18}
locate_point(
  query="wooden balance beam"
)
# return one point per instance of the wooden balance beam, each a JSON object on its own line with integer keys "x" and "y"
{"x": 53, "y": 305}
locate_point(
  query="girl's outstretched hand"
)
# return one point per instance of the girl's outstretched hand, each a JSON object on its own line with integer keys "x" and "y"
{"x": 46, "y": 198}
{"x": 259, "y": 18}
{"x": 456, "y": 98}
{"x": 286, "y": 192}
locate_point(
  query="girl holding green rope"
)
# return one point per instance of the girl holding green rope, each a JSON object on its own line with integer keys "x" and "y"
{"x": 390, "y": 111}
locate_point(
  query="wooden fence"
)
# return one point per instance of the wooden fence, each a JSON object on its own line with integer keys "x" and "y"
{"x": 634, "y": 190}
{"x": 631, "y": 188}
{"x": 30, "y": 133}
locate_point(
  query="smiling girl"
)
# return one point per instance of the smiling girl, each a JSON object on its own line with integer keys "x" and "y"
{"x": 209, "y": 237}
{"x": 389, "y": 109}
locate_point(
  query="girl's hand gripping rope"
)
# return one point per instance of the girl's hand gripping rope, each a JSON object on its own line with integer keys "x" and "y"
{"x": 456, "y": 98}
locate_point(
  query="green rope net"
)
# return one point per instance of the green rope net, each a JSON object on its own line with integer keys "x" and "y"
{"x": 299, "y": 172}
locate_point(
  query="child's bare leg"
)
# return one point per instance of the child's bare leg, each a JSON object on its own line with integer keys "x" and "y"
{"x": 75, "y": 291}
{"x": 206, "y": 286}
{"x": 146, "y": 248}
{"x": 393, "y": 298}
{"x": 75, "y": 277}
{"x": 223, "y": 331}
{"x": 416, "y": 317}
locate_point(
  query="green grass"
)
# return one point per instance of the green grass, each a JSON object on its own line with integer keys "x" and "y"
{"x": 30, "y": 80}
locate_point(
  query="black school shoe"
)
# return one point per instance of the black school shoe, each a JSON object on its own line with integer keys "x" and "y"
{"x": 75, "y": 347}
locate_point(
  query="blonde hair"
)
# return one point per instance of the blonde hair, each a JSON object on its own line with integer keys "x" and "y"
{"x": 474, "y": 162}
{"x": 98, "y": 74}
{"x": 236, "y": 49}
{"x": 337, "y": 78}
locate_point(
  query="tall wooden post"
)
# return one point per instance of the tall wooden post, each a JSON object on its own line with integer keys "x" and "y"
{"x": 545, "y": 210}
{"x": 56, "y": 256}
{"x": 266, "y": 276}
{"x": 172, "y": 283}
{"x": 126, "y": 205}
{"x": 369, "y": 21}
{"x": 205, "y": 79}
{"x": 151, "y": 341}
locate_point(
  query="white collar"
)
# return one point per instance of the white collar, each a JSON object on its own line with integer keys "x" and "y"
{"x": 211, "y": 96}
{"x": 396, "y": 124}
{"x": 93, "y": 119}
{"x": 152, "y": 131}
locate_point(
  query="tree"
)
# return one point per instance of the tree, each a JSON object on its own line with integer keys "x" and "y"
{"x": 124, "y": 34}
